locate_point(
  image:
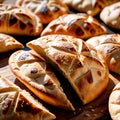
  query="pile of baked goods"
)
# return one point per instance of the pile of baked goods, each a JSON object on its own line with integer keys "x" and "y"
{"x": 71, "y": 38}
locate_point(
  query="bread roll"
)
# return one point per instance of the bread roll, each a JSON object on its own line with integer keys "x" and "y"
{"x": 109, "y": 46}
{"x": 86, "y": 70}
{"x": 91, "y": 7}
{"x": 110, "y": 15}
{"x": 19, "y": 21}
{"x": 35, "y": 74}
{"x": 46, "y": 10}
{"x": 77, "y": 25}
{"x": 17, "y": 104}
{"x": 8, "y": 43}
{"x": 114, "y": 103}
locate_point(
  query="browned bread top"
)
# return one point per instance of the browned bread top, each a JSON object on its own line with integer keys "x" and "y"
{"x": 77, "y": 25}
{"x": 83, "y": 67}
{"x": 109, "y": 46}
{"x": 17, "y": 104}
{"x": 8, "y": 43}
{"x": 91, "y": 7}
{"x": 114, "y": 103}
{"x": 110, "y": 15}
{"x": 18, "y": 21}
{"x": 36, "y": 74}
{"x": 46, "y": 10}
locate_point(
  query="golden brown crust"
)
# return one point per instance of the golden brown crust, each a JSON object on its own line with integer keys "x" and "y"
{"x": 110, "y": 15}
{"x": 8, "y": 43}
{"x": 72, "y": 57}
{"x": 77, "y": 25}
{"x": 109, "y": 46}
{"x": 18, "y": 21}
{"x": 17, "y": 104}
{"x": 34, "y": 73}
{"x": 46, "y": 10}
{"x": 91, "y": 7}
{"x": 114, "y": 103}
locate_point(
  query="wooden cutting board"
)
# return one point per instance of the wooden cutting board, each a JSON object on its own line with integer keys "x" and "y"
{"x": 96, "y": 110}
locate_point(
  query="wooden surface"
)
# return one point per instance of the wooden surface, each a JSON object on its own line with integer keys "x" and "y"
{"x": 96, "y": 110}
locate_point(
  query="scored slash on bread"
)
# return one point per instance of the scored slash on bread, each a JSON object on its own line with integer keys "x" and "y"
{"x": 78, "y": 25}
{"x": 19, "y": 21}
{"x": 18, "y": 104}
{"x": 35, "y": 74}
{"x": 83, "y": 67}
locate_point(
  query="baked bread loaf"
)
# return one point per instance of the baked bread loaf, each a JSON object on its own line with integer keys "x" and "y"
{"x": 18, "y": 21}
{"x": 109, "y": 46}
{"x": 91, "y": 7}
{"x": 8, "y": 43}
{"x": 114, "y": 103}
{"x": 46, "y": 10}
{"x": 85, "y": 70}
{"x": 110, "y": 15}
{"x": 78, "y": 25}
{"x": 35, "y": 74}
{"x": 18, "y": 104}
